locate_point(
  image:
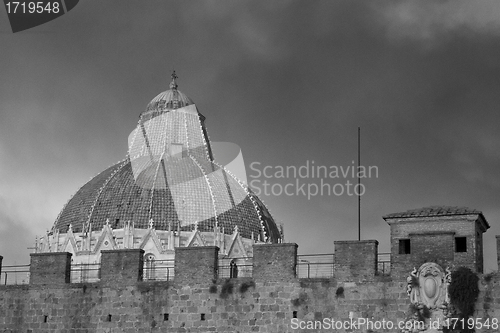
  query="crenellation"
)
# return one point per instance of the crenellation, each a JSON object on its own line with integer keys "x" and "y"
{"x": 50, "y": 268}
{"x": 355, "y": 260}
{"x": 274, "y": 262}
{"x": 196, "y": 265}
{"x": 122, "y": 266}
{"x": 200, "y": 301}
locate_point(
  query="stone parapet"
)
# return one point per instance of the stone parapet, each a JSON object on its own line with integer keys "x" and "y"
{"x": 122, "y": 266}
{"x": 196, "y": 265}
{"x": 355, "y": 260}
{"x": 50, "y": 268}
{"x": 274, "y": 262}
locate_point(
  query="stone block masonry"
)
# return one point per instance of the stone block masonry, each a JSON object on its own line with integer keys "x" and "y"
{"x": 272, "y": 301}
{"x": 50, "y": 268}
{"x": 355, "y": 260}
{"x": 122, "y": 266}
{"x": 433, "y": 238}
{"x": 438, "y": 247}
{"x": 274, "y": 262}
{"x": 248, "y": 307}
{"x": 196, "y": 265}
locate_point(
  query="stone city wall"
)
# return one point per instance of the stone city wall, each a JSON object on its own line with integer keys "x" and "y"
{"x": 273, "y": 300}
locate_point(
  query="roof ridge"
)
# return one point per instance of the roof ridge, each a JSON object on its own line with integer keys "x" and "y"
{"x": 435, "y": 210}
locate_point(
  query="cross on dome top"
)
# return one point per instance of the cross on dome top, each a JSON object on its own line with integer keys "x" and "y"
{"x": 173, "y": 83}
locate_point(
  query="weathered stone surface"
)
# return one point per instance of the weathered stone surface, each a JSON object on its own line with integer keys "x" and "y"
{"x": 122, "y": 266}
{"x": 274, "y": 262}
{"x": 196, "y": 265}
{"x": 355, "y": 260}
{"x": 163, "y": 306}
{"x": 50, "y": 268}
{"x": 272, "y": 301}
{"x": 432, "y": 238}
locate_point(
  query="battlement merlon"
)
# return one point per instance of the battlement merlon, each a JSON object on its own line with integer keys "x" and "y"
{"x": 50, "y": 268}
{"x": 275, "y": 262}
{"x": 355, "y": 260}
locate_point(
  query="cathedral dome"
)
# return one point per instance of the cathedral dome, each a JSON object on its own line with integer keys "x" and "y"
{"x": 169, "y": 179}
{"x": 168, "y": 98}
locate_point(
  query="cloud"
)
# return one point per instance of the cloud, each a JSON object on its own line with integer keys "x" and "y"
{"x": 15, "y": 238}
{"x": 478, "y": 159}
{"x": 256, "y": 35}
{"x": 428, "y": 20}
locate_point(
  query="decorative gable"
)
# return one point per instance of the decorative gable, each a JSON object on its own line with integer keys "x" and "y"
{"x": 106, "y": 240}
{"x": 151, "y": 242}
{"x": 196, "y": 239}
{"x": 69, "y": 244}
{"x": 236, "y": 247}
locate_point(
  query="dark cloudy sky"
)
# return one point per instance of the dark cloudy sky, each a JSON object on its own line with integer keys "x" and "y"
{"x": 288, "y": 81}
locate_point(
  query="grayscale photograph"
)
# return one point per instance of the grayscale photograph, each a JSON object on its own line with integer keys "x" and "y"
{"x": 250, "y": 166}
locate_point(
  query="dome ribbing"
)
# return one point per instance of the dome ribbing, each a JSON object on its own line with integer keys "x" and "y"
{"x": 169, "y": 176}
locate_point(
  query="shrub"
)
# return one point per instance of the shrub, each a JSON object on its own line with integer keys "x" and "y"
{"x": 489, "y": 276}
{"x": 246, "y": 285}
{"x": 426, "y": 313}
{"x": 414, "y": 282}
{"x": 463, "y": 291}
{"x": 213, "y": 289}
{"x": 227, "y": 289}
{"x": 300, "y": 300}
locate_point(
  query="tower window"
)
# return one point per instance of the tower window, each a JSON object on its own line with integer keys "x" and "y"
{"x": 404, "y": 246}
{"x": 460, "y": 244}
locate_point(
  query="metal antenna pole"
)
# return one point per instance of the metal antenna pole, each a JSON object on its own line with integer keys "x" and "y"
{"x": 359, "y": 184}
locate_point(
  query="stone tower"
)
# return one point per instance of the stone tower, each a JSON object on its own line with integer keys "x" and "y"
{"x": 449, "y": 236}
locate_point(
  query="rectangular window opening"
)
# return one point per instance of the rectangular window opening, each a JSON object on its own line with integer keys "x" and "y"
{"x": 294, "y": 314}
{"x": 404, "y": 246}
{"x": 460, "y": 244}
{"x": 202, "y": 316}
{"x": 165, "y": 317}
